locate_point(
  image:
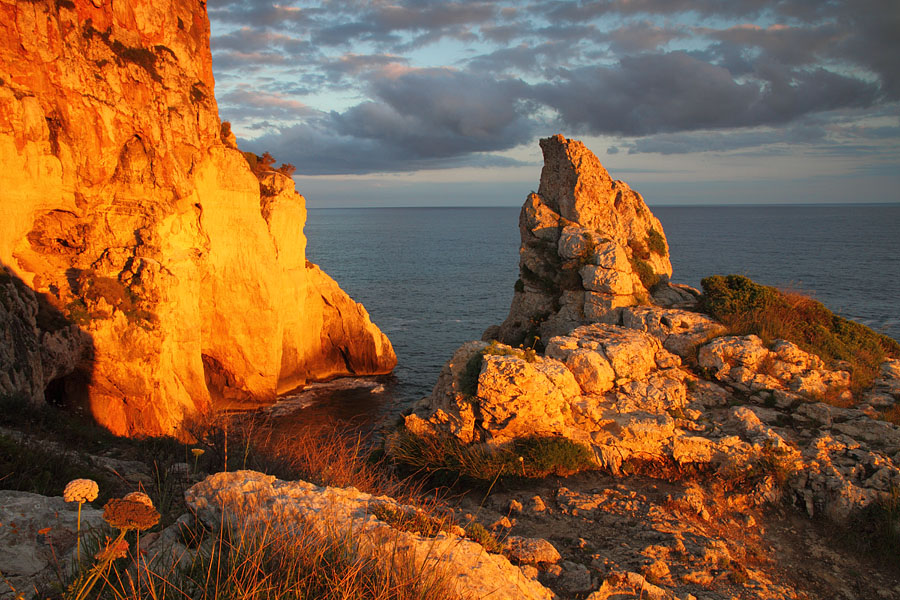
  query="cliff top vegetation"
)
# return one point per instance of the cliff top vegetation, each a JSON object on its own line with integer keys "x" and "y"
{"x": 746, "y": 307}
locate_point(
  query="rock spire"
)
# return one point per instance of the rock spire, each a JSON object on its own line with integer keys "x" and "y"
{"x": 589, "y": 246}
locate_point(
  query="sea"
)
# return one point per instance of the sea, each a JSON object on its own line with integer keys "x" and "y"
{"x": 434, "y": 278}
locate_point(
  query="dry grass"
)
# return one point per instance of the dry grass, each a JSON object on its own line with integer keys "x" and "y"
{"x": 268, "y": 561}
{"x": 746, "y": 307}
{"x": 263, "y": 561}
{"x": 326, "y": 454}
{"x": 892, "y": 415}
{"x": 259, "y": 563}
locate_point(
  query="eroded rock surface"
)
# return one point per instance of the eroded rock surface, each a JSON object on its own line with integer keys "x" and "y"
{"x": 620, "y": 392}
{"x": 655, "y": 385}
{"x": 589, "y": 246}
{"x": 37, "y": 535}
{"x": 126, "y": 208}
{"x": 250, "y": 498}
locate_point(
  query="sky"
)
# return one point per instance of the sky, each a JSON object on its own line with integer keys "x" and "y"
{"x": 427, "y": 102}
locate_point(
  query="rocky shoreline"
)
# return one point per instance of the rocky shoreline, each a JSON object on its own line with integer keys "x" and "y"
{"x": 716, "y": 463}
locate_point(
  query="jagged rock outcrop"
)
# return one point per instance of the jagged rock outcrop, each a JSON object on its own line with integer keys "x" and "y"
{"x": 589, "y": 246}
{"x": 654, "y": 385}
{"x": 122, "y": 206}
{"x": 745, "y": 364}
{"x": 618, "y": 391}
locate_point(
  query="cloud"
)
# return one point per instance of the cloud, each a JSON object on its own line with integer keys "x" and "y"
{"x": 407, "y": 84}
{"x": 675, "y": 91}
{"x": 316, "y": 147}
{"x": 255, "y": 13}
{"x": 254, "y": 103}
{"x": 642, "y": 36}
{"x": 567, "y": 11}
{"x": 384, "y": 23}
{"x": 420, "y": 118}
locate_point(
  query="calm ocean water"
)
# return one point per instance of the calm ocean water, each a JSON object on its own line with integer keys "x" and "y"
{"x": 433, "y": 278}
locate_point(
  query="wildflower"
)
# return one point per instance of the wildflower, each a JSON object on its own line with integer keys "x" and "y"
{"x": 130, "y": 514}
{"x": 112, "y": 550}
{"x": 197, "y": 452}
{"x": 81, "y": 490}
{"x": 139, "y": 497}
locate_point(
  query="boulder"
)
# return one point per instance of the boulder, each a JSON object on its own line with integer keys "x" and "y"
{"x": 680, "y": 331}
{"x": 249, "y": 499}
{"x": 38, "y": 534}
{"x": 496, "y": 394}
{"x": 530, "y": 551}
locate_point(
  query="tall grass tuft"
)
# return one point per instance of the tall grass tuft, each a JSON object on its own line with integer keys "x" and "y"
{"x": 326, "y": 454}
{"x": 746, "y": 307}
{"x": 271, "y": 560}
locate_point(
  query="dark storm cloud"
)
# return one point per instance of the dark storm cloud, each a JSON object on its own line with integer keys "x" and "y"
{"x": 576, "y": 11}
{"x": 442, "y": 112}
{"x": 255, "y": 40}
{"x": 642, "y": 36}
{"x": 421, "y": 118}
{"x": 786, "y": 45}
{"x": 675, "y": 91}
{"x": 669, "y": 76}
{"x": 384, "y": 24}
{"x": 524, "y": 58}
{"x": 317, "y": 147}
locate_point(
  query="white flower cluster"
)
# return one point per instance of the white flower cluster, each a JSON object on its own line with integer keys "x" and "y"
{"x": 81, "y": 490}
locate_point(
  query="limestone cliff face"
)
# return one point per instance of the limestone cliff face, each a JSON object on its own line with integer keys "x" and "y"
{"x": 123, "y": 208}
{"x": 589, "y": 246}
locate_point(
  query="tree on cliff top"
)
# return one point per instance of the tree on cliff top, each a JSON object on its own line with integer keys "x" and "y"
{"x": 265, "y": 163}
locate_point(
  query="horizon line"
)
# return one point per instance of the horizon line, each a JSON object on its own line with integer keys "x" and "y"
{"x": 654, "y": 205}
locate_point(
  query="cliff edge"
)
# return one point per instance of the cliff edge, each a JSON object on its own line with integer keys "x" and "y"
{"x": 167, "y": 276}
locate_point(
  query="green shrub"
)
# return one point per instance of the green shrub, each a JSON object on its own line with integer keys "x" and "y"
{"x": 655, "y": 242}
{"x": 495, "y": 348}
{"x": 477, "y": 532}
{"x": 746, "y": 307}
{"x": 545, "y": 455}
{"x": 414, "y": 521}
{"x": 525, "y": 458}
{"x": 266, "y": 163}
{"x": 645, "y": 272}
